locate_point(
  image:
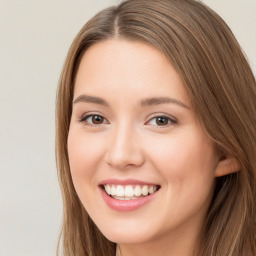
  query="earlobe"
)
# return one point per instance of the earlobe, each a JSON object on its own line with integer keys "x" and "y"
{"x": 227, "y": 166}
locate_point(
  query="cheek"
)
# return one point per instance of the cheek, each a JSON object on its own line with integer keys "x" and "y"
{"x": 84, "y": 152}
{"x": 187, "y": 165}
{"x": 186, "y": 162}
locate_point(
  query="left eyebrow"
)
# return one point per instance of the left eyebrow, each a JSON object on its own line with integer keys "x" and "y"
{"x": 162, "y": 100}
{"x": 90, "y": 99}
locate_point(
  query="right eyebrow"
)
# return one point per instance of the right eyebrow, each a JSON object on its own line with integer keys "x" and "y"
{"x": 90, "y": 99}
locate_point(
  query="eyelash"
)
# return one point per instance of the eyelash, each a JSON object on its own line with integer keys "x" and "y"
{"x": 170, "y": 120}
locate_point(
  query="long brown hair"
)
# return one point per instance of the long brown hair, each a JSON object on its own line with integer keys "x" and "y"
{"x": 222, "y": 90}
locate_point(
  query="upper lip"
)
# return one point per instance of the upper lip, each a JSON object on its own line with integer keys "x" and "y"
{"x": 126, "y": 182}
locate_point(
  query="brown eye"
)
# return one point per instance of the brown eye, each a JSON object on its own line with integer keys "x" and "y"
{"x": 97, "y": 119}
{"x": 94, "y": 120}
{"x": 162, "y": 120}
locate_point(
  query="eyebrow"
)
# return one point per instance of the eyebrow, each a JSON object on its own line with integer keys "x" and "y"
{"x": 144, "y": 103}
{"x": 90, "y": 99}
{"x": 162, "y": 100}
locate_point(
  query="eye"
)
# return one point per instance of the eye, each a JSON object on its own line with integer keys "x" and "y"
{"x": 161, "y": 121}
{"x": 94, "y": 120}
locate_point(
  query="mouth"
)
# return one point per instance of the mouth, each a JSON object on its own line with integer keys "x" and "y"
{"x": 129, "y": 192}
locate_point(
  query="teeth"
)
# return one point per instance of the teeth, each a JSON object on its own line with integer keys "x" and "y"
{"x": 113, "y": 191}
{"x": 151, "y": 190}
{"x": 124, "y": 198}
{"x": 137, "y": 191}
{"x": 144, "y": 190}
{"x": 129, "y": 192}
{"x": 108, "y": 189}
{"x": 119, "y": 191}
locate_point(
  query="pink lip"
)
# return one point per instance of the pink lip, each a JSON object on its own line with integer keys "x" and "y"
{"x": 125, "y": 205}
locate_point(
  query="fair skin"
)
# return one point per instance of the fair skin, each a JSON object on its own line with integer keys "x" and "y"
{"x": 132, "y": 122}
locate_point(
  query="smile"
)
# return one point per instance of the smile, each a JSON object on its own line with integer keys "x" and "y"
{"x": 129, "y": 192}
{"x": 127, "y": 195}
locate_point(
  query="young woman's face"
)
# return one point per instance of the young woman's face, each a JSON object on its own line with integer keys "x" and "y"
{"x": 140, "y": 160}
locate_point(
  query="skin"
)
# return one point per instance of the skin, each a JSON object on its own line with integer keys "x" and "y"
{"x": 129, "y": 143}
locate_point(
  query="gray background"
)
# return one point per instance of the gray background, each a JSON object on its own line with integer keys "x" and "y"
{"x": 34, "y": 39}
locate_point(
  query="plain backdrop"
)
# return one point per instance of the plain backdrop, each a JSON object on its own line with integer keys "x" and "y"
{"x": 34, "y": 38}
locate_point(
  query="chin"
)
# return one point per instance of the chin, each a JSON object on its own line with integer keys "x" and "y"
{"x": 122, "y": 238}
{"x": 123, "y": 235}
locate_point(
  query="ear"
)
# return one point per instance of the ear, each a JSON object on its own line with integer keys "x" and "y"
{"x": 227, "y": 166}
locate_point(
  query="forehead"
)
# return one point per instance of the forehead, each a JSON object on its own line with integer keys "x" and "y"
{"x": 132, "y": 67}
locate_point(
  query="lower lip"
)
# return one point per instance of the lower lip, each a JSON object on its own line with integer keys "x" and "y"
{"x": 126, "y": 205}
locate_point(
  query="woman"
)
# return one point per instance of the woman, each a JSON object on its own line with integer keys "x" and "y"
{"x": 156, "y": 137}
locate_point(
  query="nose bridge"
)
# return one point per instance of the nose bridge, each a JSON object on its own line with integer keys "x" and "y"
{"x": 124, "y": 148}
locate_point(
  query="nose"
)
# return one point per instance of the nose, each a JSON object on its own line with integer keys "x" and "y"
{"x": 124, "y": 148}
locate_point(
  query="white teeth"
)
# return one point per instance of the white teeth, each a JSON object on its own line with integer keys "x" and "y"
{"x": 119, "y": 191}
{"x": 124, "y": 198}
{"x": 129, "y": 192}
{"x": 144, "y": 190}
{"x": 108, "y": 189}
{"x": 137, "y": 191}
{"x": 113, "y": 191}
{"x": 151, "y": 190}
